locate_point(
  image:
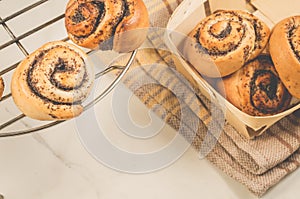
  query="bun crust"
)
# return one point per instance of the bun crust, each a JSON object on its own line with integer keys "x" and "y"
{"x": 51, "y": 83}
{"x": 285, "y": 52}
{"x": 119, "y": 25}
{"x": 1, "y": 87}
{"x": 224, "y": 41}
{"x": 256, "y": 88}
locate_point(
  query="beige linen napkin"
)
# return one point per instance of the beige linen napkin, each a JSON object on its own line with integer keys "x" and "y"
{"x": 258, "y": 164}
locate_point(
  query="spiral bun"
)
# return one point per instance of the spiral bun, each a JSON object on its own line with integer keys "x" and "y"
{"x": 285, "y": 51}
{"x": 229, "y": 38}
{"x": 52, "y": 82}
{"x": 120, "y": 25}
{"x": 256, "y": 88}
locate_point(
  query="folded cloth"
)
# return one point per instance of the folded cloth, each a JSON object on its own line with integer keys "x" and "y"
{"x": 259, "y": 164}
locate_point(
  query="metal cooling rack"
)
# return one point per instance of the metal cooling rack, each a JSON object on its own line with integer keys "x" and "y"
{"x": 16, "y": 40}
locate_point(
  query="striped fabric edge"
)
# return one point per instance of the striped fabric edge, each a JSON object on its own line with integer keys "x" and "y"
{"x": 258, "y": 165}
{"x": 220, "y": 157}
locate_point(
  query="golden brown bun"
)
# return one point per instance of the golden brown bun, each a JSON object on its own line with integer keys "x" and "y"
{"x": 230, "y": 38}
{"x": 1, "y": 87}
{"x": 285, "y": 52}
{"x": 256, "y": 88}
{"x": 51, "y": 83}
{"x": 121, "y": 25}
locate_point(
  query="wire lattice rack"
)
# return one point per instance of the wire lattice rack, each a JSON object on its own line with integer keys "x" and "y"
{"x": 7, "y": 123}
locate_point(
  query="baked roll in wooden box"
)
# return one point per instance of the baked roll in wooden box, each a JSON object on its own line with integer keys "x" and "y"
{"x": 183, "y": 22}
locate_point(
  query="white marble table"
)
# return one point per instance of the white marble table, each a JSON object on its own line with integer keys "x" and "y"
{"x": 54, "y": 164}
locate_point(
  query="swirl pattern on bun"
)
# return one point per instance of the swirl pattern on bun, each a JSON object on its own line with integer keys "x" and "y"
{"x": 285, "y": 52}
{"x": 230, "y": 38}
{"x": 256, "y": 88}
{"x": 120, "y": 25}
{"x": 52, "y": 82}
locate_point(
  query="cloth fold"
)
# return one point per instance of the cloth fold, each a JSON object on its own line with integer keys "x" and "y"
{"x": 259, "y": 164}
